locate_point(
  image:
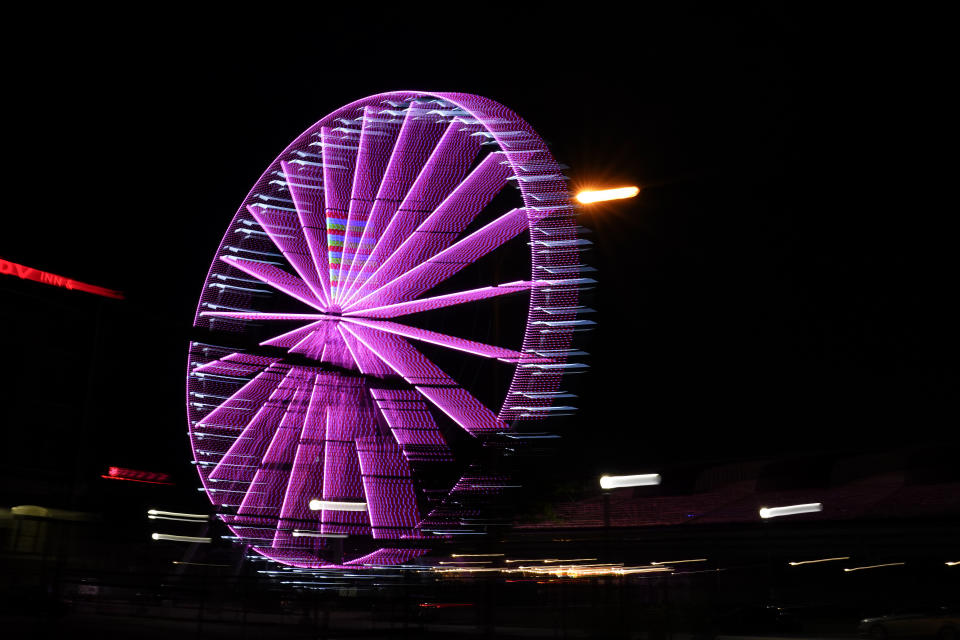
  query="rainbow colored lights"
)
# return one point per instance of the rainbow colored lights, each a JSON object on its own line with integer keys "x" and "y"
{"x": 362, "y": 221}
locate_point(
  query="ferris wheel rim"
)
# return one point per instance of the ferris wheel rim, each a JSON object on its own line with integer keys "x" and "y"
{"x": 461, "y": 101}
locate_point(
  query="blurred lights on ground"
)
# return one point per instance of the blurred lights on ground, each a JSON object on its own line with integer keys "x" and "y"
{"x": 173, "y": 538}
{"x": 874, "y": 566}
{"x": 588, "y": 196}
{"x": 336, "y": 505}
{"x": 619, "y": 482}
{"x": 774, "y": 512}
{"x": 799, "y": 562}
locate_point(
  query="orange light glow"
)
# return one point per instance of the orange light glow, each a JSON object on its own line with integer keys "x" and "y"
{"x": 588, "y": 196}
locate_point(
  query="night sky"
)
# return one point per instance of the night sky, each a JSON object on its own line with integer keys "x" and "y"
{"x": 781, "y": 286}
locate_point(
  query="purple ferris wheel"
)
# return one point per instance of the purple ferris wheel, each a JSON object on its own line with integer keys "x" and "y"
{"x": 324, "y": 431}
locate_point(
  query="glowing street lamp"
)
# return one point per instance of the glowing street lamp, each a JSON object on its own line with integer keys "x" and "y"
{"x": 588, "y": 196}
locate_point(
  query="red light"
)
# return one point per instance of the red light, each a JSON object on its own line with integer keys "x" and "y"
{"x": 29, "y": 273}
{"x": 135, "y": 475}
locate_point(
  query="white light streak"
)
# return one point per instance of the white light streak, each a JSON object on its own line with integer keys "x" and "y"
{"x": 874, "y": 566}
{"x": 172, "y": 538}
{"x": 314, "y": 534}
{"x": 618, "y": 482}
{"x": 337, "y": 505}
{"x": 177, "y": 519}
{"x": 774, "y": 512}
{"x": 799, "y": 562}
{"x": 952, "y": 564}
{"x": 157, "y": 512}
{"x": 678, "y": 561}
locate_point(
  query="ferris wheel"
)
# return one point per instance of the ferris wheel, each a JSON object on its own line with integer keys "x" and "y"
{"x": 324, "y": 431}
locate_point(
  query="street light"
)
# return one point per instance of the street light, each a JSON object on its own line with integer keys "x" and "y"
{"x": 588, "y": 196}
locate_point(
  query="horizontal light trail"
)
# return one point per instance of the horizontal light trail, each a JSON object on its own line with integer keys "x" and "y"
{"x": 619, "y": 482}
{"x": 874, "y": 566}
{"x": 799, "y": 562}
{"x": 678, "y": 561}
{"x": 337, "y": 505}
{"x": 29, "y": 273}
{"x": 157, "y": 512}
{"x": 172, "y": 518}
{"x": 173, "y": 538}
{"x": 107, "y": 477}
{"x": 601, "y": 195}
{"x": 775, "y": 512}
{"x": 316, "y": 534}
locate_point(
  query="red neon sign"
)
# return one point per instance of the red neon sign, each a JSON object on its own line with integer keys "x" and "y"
{"x": 29, "y": 273}
{"x": 134, "y": 475}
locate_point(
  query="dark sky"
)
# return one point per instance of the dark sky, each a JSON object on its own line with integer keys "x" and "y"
{"x": 782, "y": 284}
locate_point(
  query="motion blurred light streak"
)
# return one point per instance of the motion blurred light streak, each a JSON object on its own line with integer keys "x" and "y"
{"x": 774, "y": 512}
{"x": 43, "y": 277}
{"x": 197, "y": 516}
{"x": 334, "y": 505}
{"x": 619, "y": 482}
{"x": 875, "y": 566}
{"x": 588, "y": 196}
{"x": 173, "y": 538}
{"x": 800, "y": 562}
{"x": 351, "y": 228}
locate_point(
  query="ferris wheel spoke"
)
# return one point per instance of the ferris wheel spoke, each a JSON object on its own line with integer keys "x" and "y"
{"x": 241, "y": 460}
{"x": 313, "y": 343}
{"x": 235, "y": 411}
{"x": 290, "y": 338}
{"x": 276, "y": 278}
{"x": 447, "y": 300}
{"x": 377, "y": 134}
{"x": 336, "y": 351}
{"x": 367, "y": 362}
{"x": 388, "y": 487}
{"x": 428, "y": 274}
{"x": 387, "y": 556}
{"x": 416, "y": 139}
{"x": 443, "y": 171}
{"x": 283, "y": 228}
{"x": 306, "y": 476}
{"x": 305, "y": 183}
{"x": 445, "y": 223}
{"x": 427, "y": 378}
{"x": 235, "y": 364}
{"x": 256, "y": 315}
{"x": 411, "y": 424}
{"x": 440, "y": 339}
{"x": 264, "y": 497}
{"x": 340, "y": 150}
{"x": 347, "y": 420}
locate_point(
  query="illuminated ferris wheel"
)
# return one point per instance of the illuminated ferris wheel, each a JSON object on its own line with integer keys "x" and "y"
{"x": 327, "y": 407}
